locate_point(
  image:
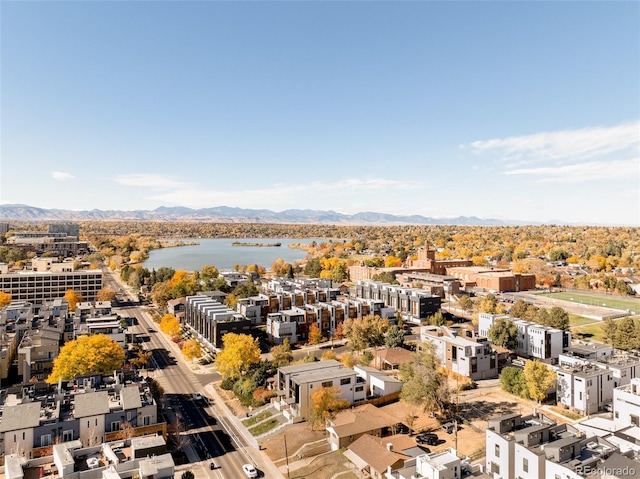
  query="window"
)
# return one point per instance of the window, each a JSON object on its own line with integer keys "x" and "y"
{"x": 146, "y": 420}
{"x": 327, "y": 384}
{"x": 495, "y": 468}
{"x": 525, "y": 464}
{"x": 45, "y": 440}
{"x": 345, "y": 381}
{"x": 359, "y": 388}
{"x": 128, "y": 415}
{"x": 115, "y": 426}
{"x": 497, "y": 450}
{"x": 67, "y": 435}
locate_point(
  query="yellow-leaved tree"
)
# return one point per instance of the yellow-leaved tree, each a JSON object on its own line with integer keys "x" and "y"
{"x": 106, "y": 294}
{"x": 170, "y": 325}
{"x": 73, "y": 299}
{"x": 325, "y": 403}
{"x": 539, "y": 379}
{"x": 5, "y": 299}
{"x": 191, "y": 349}
{"x": 97, "y": 353}
{"x": 239, "y": 352}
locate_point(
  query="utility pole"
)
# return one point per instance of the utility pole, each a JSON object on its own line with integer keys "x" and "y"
{"x": 286, "y": 454}
{"x": 455, "y": 420}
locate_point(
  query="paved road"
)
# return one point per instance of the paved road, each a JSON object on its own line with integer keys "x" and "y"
{"x": 210, "y": 433}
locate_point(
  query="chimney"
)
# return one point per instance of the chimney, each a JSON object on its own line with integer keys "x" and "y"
{"x": 389, "y": 447}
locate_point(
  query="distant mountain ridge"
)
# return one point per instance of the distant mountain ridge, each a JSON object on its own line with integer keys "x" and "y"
{"x": 226, "y": 214}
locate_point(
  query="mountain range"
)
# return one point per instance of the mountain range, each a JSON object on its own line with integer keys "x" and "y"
{"x": 226, "y": 214}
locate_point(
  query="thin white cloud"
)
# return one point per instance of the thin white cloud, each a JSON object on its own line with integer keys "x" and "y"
{"x": 562, "y": 146}
{"x": 61, "y": 176}
{"x": 581, "y": 172}
{"x": 153, "y": 181}
{"x": 279, "y": 196}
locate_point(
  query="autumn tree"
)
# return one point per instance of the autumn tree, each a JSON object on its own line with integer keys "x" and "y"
{"x": 191, "y": 350}
{"x": 325, "y": 403}
{"x": 106, "y": 294}
{"x": 385, "y": 277}
{"x": 436, "y": 319}
{"x": 328, "y": 355}
{"x": 281, "y": 353}
{"x": 466, "y": 303}
{"x": 504, "y": 333}
{"x": 315, "y": 334}
{"x": 489, "y": 304}
{"x": 141, "y": 359}
{"x": 365, "y": 332}
{"x": 539, "y": 378}
{"x": 5, "y": 299}
{"x": 170, "y": 325}
{"x": 72, "y": 298}
{"x": 425, "y": 384}
{"x": 239, "y": 352}
{"x": 519, "y": 309}
{"x": 97, "y": 353}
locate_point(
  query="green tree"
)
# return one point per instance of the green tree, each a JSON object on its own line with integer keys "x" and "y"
{"x": 97, "y": 353}
{"x": 394, "y": 337}
{"x": 313, "y": 268}
{"x": 385, "y": 277}
{"x": 626, "y": 335}
{"x": 504, "y": 333}
{"x": 539, "y": 378}
{"x": 558, "y": 318}
{"x": 609, "y": 331}
{"x": 187, "y": 475}
{"x": 425, "y": 384}
{"x": 512, "y": 380}
{"x": 282, "y": 353}
{"x": 437, "y": 319}
{"x": 366, "y": 358}
{"x": 365, "y": 332}
{"x": 239, "y": 352}
{"x": 519, "y": 309}
{"x": 325, "y": 403}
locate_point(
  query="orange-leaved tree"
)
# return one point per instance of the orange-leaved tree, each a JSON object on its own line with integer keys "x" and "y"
{"x": 73, "y": 299}
{"x": 325, "y": 403}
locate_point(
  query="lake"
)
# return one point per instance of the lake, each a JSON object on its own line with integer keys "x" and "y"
{"x": 220, "y": 253}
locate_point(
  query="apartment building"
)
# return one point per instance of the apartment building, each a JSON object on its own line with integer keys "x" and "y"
{"x": 284, "y": 325}
{"x": 626, "y": 403}
{"x": 39, "y": 287}
{"x": 414, "y": 305}
{"x": 209, "y": 321}
{"x": 534, "y": 340}
{"x": 92, "y": 412}
{"x": 58, "y": 243}
{"x": 461, "y": 352}
{"x": 297, "y": 383}
{"x": 622, "y": 365}
{"x": 36, "y": 352}
{"x": 534, "y": 447}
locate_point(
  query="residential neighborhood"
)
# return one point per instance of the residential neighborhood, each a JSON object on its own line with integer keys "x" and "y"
{"x": 335, "y": 357}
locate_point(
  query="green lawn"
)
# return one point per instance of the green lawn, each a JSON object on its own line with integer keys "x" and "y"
{"x": 576, "y": 320}
{"x": 596, "y": 300}
{"x": 591, "y": 332}
{"x": 263, "y": 427}
{"x": 257, "y": 418}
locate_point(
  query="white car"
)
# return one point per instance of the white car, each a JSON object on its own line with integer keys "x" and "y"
{"x": 249, "y": 470}
{"x": 197, "y": 397}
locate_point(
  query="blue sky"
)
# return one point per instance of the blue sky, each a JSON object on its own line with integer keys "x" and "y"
{"x": 514, "y": 110}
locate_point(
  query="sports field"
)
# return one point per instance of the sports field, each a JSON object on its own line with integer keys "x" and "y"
{"x": 594, "y": 300}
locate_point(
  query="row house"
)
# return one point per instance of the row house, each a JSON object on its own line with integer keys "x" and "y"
{"x": 93, "y": 309}
{"x": 622, "y": 365}
{"x": 533, "y": 447}
{"x": 415, "y": 305}
{"x": 210, "y": 320}
{"x": 35, "y": 419}
{"x": 281, "y": 285}
{"x": 585, "y": 389}
{"x": 535, "y": 341}
{"x": 460, "y": 352}
{"x": 297, "y": 383}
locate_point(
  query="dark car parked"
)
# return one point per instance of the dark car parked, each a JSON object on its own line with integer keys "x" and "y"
{"x": 427, "y": 438}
